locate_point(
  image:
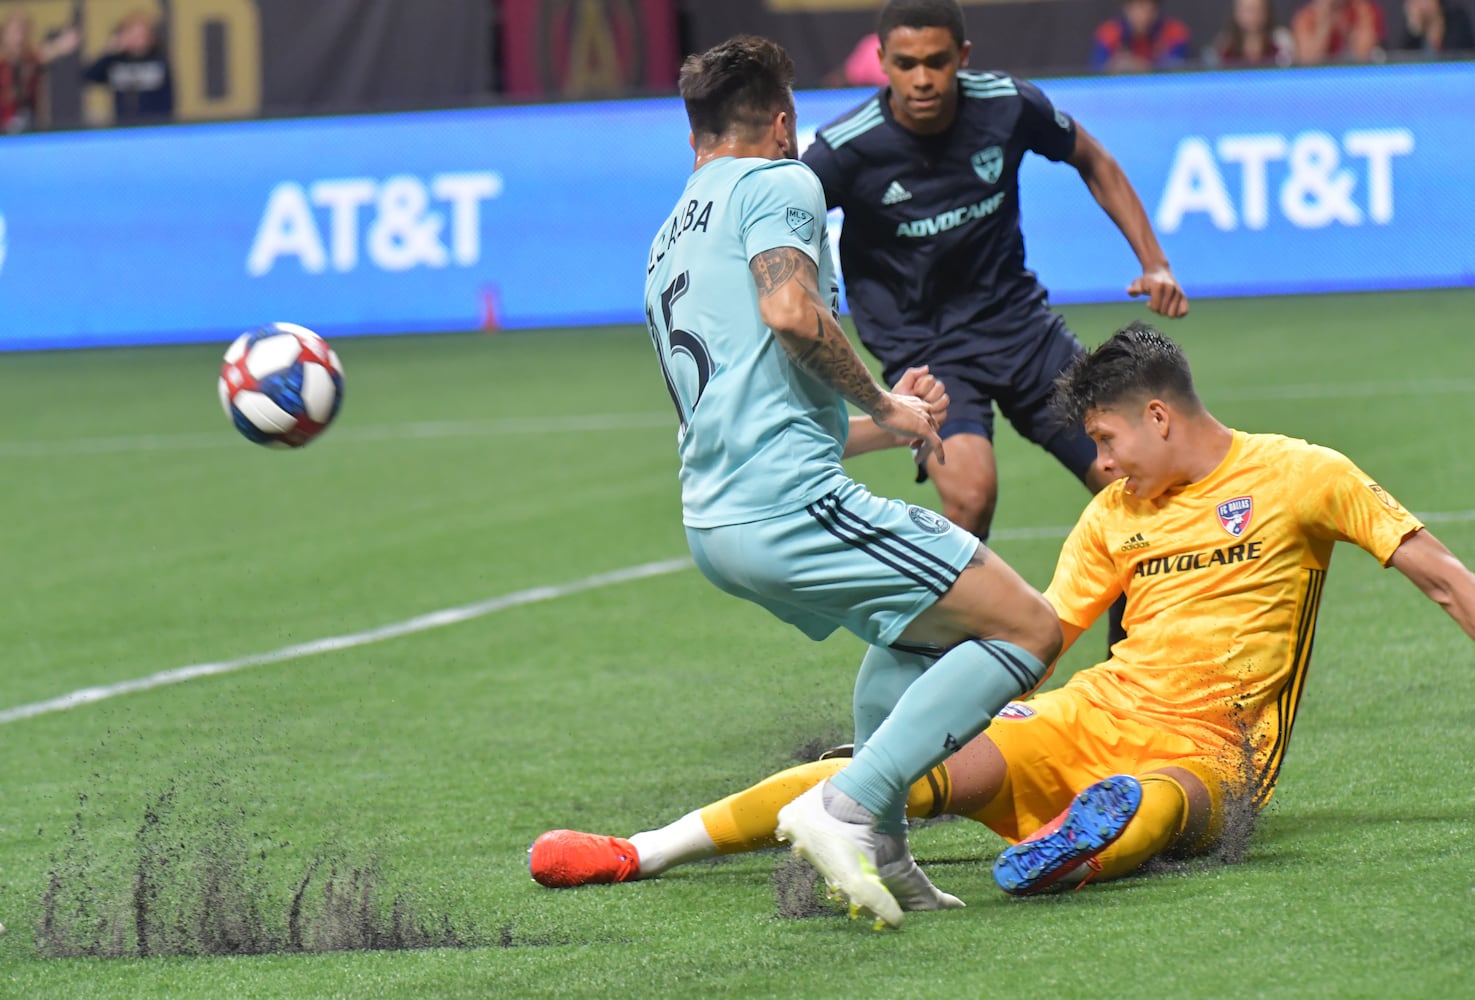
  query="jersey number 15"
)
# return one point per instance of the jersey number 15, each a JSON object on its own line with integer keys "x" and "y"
{"x": 675, "y": 342}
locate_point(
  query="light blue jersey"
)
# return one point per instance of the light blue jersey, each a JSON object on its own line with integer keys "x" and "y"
{"x": 758, "y": 436}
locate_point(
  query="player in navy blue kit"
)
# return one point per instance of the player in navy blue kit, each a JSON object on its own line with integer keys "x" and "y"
{"x": 927, "y": 173}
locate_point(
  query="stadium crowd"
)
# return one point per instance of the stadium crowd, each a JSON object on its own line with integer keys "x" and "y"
{"x": 1143, "y": 37}
{"x": 133, "y": 66}
{"x": 133, "y": 62}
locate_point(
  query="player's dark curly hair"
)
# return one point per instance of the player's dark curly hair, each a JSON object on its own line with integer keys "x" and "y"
{"x": 736, "y": 86}
{"x": 921, "y": 14}
{"x": 1137, "y": 364}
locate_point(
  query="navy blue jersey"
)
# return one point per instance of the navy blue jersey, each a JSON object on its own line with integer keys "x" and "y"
{"x": 931, "y": 249}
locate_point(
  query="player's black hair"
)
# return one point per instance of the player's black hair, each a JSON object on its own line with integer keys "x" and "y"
{"x": 738, "y": 85}
{"x": 1137, "y": 364}
{"x": 921, "y": 14}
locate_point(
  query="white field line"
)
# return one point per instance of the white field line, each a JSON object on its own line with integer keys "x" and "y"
{"x": 1445, "y": 516}
{"x": 595, "y": 422}
{"x": 420, "y": 623}
{"x": 227, "y": 438}
{"x": 465, "y": 612}
{"x": 1346, "y": 390}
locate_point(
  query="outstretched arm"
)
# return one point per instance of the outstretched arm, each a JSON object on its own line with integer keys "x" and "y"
{"x": 1436, "y": 571}
{"x": 791, "y": 306}
{"x": 1112, "y": 190}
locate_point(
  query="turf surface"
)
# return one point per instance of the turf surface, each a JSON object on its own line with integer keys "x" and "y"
{"x": 140, "y": 534}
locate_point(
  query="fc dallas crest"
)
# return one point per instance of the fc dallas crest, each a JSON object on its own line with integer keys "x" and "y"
{"x": 1234, "y": 515}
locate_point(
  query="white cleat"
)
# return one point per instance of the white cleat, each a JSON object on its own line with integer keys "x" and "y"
{"x": 843, "y": 853}
{"x": 913, "y": 890}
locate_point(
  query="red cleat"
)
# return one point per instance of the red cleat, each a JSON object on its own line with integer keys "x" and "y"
{"x": 561, "y": 859}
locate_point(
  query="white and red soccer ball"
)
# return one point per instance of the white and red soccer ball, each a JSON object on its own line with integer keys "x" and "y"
{"x": 281, "y": 385}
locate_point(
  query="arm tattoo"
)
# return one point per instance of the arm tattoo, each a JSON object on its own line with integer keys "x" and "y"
{"x": 980, "y": 555}
{"x": 826, "y": 354}
{"x": 774, "y": 268}
{"x": 829, "y": 357}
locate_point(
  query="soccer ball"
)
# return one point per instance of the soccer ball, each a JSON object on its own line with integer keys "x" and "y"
{"x": 281, "y": 385}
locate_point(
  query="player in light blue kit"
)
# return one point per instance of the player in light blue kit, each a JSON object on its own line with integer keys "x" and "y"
{"x": 740, "y": 296}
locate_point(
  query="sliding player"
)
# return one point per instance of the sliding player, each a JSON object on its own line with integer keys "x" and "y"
{"x": 1221, "y": 541}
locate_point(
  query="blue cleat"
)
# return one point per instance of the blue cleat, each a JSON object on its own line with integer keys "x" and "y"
{"x": 1090, "y": 824}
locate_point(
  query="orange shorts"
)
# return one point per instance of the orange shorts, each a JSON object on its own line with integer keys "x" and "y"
{"x": 1057, "y": 743}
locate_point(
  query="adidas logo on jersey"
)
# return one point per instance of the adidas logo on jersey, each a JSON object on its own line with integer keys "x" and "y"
{"x": 896, "y": 194}
{"x": 1134, "y": 543}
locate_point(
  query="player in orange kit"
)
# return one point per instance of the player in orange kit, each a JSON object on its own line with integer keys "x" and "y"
{"x": 1221, "y": 542}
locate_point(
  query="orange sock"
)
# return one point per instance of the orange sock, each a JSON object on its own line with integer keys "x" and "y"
{"x": 1159, "y": 821}
{"x": 744, "y": 821}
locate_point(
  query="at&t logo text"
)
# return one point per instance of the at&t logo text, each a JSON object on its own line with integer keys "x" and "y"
{"x": 400, "y": 223}
{"x": 1312, "y": 178}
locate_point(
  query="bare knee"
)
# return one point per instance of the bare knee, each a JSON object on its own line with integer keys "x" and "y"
{"x": 976, "y": 774}
{"x": 1039, "y": 631}
{"x": 971, "y": 507}
{"x": 991, "y": 601}
{"x": 1032, "y": 625}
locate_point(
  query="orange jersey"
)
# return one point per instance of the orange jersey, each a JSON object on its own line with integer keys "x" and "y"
{"x": 1223, "y": 578}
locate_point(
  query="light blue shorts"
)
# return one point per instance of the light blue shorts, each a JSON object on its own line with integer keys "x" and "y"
{"x": 849, "y": 560}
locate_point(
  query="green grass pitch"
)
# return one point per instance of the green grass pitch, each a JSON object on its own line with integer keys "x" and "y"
{"x": 140, "y": 534}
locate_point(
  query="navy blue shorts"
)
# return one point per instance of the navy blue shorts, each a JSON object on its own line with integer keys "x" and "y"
{"x": 1021, "y": 383}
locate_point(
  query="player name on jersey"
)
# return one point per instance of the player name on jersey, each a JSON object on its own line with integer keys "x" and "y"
{"x": 681, "y": 223}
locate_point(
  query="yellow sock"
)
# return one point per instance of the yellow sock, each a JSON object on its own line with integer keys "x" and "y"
{"x": 744, "y": 821}
{"x": 931, "y": 794}
{"x": 1159, "y": 821}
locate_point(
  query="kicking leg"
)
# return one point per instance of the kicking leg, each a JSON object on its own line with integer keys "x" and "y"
{"x": 834, "y": 825}
{"x": 741, "y": 822}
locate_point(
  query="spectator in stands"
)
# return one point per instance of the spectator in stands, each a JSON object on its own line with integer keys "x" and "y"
{"x": 1331, "y": 30}
{"x": 1253, "y": 37}
{"x": 1140, "y": 39}
{"x": 862, "y": 68}
{"x": 20, "y": 75}
{"x": 136, "y": 69}
{"x": 1435, "y": 27}
{"x": 22, "y": 72}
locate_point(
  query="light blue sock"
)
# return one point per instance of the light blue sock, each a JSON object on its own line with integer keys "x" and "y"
{"x": 885, "y": 674}
{"x": 942, "y": 710}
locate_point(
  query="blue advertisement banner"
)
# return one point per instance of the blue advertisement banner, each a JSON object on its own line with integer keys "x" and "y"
{"x": 1258, "y": 183}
